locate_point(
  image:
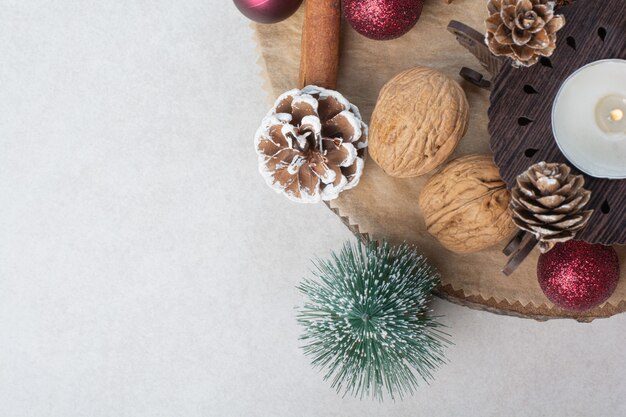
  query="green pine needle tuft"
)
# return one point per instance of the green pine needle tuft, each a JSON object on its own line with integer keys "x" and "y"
{"x": 366, "y": 320}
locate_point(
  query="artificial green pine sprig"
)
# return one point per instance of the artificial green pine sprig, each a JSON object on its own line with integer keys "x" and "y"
{"x": 366, "y": 320}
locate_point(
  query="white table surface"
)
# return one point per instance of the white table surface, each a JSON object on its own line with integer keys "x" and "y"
{"x": 145, "y": 268}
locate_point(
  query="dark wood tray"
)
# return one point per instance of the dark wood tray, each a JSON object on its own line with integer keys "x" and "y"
{"x": 521, "y": 106}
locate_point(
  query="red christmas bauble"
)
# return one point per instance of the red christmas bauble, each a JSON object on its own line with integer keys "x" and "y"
{"x": 578, "y": 276}
{"x": 267, "y": 11}
{"x": 382, "y": 19}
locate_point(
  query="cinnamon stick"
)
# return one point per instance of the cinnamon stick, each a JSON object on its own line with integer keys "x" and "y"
{"x": 319, "y": 59}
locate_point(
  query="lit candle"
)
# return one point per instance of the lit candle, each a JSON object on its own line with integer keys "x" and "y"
{"x": 589, "y": 118}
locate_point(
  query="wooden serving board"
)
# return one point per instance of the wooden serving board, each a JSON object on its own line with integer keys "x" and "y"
{"x": 382, "y": 207}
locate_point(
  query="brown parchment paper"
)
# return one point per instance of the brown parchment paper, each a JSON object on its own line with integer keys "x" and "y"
{"x": 386, "y": 207}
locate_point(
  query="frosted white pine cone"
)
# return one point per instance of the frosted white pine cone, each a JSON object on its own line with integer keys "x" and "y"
{"x": 311, "y": 145}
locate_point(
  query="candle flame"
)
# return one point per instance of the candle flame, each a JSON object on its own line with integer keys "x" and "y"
{"x": 616, "y": 115}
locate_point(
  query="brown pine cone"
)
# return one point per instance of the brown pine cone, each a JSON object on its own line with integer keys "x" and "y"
{"x": 523, "y": 30}
{"x": 548, "y": 202}
{"x": 311, "y": 145}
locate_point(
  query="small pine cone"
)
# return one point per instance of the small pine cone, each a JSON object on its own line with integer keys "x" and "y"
{"x": 523, "y": 30}
{"x": 311, "y": 145}
{"x": 548, "y": 202}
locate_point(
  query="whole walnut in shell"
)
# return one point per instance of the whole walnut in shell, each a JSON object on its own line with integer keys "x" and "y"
{"x": 420, "y": 117}
{"x": 465, "y": 205}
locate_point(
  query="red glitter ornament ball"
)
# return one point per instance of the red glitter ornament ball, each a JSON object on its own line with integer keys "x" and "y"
{"x": 382, "y": 19}
{"x": 578, "y": 276}
{"x": 267, "y": 11}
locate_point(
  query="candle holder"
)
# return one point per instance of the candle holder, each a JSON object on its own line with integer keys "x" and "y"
{"x": 521, "y": 106}
{"x": 588, "y": 119}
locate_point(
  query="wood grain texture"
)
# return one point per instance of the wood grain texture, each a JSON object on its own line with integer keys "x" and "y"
{"x": 384, "y": 207}
{"x": 521, "y": 105}
{"x": 541, "y": 312}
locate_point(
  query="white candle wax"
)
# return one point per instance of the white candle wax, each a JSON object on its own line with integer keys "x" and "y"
{"x": 589, "y": 119}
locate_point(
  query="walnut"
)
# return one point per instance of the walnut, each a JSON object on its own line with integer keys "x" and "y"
{"x": 465, "y": 205}
{"x": 420, "y": 117}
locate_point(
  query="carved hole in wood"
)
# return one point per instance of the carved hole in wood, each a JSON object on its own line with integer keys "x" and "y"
{"x": 529, "y": 89}
{"x": 545, "y": 62}
{"x": 571, "y": 42}
{"x": 605, "y": 208}
{"x": 524, "y": 121}
{"x": 602, "y": 33}
{"x": 530, "y": 152}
